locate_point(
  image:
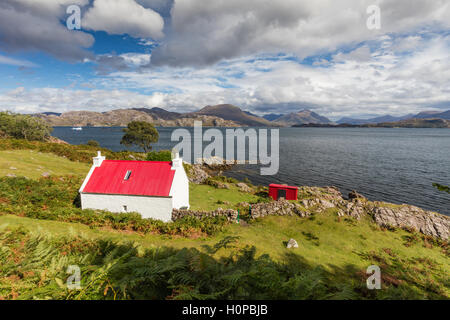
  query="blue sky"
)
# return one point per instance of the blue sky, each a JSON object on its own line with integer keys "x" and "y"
{"x": 263, "y": 56}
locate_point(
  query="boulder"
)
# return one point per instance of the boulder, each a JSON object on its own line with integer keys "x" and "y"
{"x": 355, "y": 195}
{"x": 292, "y": 244}
{"x": 243, "y": 187}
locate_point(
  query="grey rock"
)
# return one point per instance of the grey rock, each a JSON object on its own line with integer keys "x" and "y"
{"x": 426, "y": 222}
{"x": 198, "y": 175}
{"x": 292, "y": 244}
{"x": 355, "y": 195}
{"x": 243, "y": 187}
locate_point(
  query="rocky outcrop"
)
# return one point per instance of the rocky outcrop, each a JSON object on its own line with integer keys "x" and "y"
{"x": 355, "y": 195}
{"x": 230, "y": 214}
{"x": 278, "y": 208}
{"x": 243, "y": 187}
{"x": 406, "y": 216}
{"x": 197, "y": 174}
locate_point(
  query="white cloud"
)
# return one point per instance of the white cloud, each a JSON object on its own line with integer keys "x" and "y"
{"x": 386, "y": 83}
{"x": 205, "y": 32}
{"x": 136, "y": 59}
{"x": 360, "y": 54}
{"x": 16, "y": 62}
{"x": 124, "y": 17}
{"x": 27, "y": 25}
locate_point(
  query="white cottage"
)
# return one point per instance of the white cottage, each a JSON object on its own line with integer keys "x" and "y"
{"x": 152, "y": 188}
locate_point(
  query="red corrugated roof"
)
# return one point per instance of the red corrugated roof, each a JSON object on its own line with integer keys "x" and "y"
{"x": 273, "y": 185}
{"x": 148, "y": 178}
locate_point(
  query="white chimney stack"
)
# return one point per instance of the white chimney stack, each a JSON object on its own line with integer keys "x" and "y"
{"x": 98, "y": 159}
{"x": 177, "y": 162}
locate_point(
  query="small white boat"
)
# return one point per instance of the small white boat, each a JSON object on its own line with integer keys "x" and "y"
{"x": 77, "y": 128}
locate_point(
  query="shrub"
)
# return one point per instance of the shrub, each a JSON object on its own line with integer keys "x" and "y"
{"x": 163, "y": 155}
{"x": 93, "y": 143}
{"x": 22, "y": 126}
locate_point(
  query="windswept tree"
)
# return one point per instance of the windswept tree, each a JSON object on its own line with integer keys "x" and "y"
{"x": 21, "y": 126}
{"x": 141, "y": 134}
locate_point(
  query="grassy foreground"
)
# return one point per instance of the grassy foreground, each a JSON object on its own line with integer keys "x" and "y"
{"x": 42, "y": 232}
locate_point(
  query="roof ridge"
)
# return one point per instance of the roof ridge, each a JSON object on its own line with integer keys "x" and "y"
{"x": 146, "y": 161}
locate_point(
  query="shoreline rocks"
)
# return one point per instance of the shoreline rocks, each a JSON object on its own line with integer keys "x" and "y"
{"x": 318, "y": 200}
{"x": 407, "y": 216}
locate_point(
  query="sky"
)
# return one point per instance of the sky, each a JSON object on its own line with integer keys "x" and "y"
{"x": 264, "y": 56}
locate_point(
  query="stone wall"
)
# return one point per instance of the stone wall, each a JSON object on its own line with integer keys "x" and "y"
{"x": 230, "y": 214}
{"x": 278, "y": 208}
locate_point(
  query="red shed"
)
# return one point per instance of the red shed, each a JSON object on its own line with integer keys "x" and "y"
{"x": 277, "y": 191}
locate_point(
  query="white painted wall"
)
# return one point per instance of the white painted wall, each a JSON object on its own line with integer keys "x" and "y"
{"x": 149, "y": 207}
{"x": 180, "y": 187}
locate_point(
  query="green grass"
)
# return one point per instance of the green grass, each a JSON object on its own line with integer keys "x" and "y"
{"x": 204, "y": 197}
{"x": 342, "y": 250}
{"x": 33, "y": 164}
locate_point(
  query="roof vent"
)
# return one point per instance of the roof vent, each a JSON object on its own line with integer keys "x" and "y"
{"x": 127, "y": 175}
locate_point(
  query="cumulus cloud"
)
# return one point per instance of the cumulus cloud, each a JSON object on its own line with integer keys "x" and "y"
{"x": 386, "y": 83}
{"x": 26, "y": 25}
{"x": 124, "y": 17}
{"x": 360, "y": 54}
{"x": 205, "y": 32}
{"x": 108, "y": 63}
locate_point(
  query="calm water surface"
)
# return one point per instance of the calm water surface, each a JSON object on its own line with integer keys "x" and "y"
{"x": 394, "y": 165}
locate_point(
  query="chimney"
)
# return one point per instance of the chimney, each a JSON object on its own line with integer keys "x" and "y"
{"x": 177, "y": 162}
{"x": 98, "y": 159}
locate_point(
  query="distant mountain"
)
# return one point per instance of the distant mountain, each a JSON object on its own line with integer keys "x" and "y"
{"x": 302, "y": 117}
{"x": 416, "y": 123}
{"x": 122, "y": 117}
{"x": 386, "y": 118}
{"x": 235, "y": 114}
{"x": 160, "y": 113}
{"x": 51, "y": 113}
{"x": 272, "y": 116}
{"x": 408, "y": 123}
{"x": 433, "y": 115}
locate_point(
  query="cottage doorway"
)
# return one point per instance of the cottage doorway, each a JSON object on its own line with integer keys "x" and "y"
{"x": 281, "y": 194}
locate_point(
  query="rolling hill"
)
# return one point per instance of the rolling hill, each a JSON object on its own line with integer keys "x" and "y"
{"x": 302, "y": 117}
{"x": 235, "y": 114}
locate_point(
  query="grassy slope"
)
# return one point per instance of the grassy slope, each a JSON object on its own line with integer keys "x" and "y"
{"x": 203, "y": 197}
{"x": 337, "y": 245}
{"x": 33, "y": 164}
{"x": 341, "y": 246}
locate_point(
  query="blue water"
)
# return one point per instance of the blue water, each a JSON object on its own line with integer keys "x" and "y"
{"x": 393, "y": 165}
